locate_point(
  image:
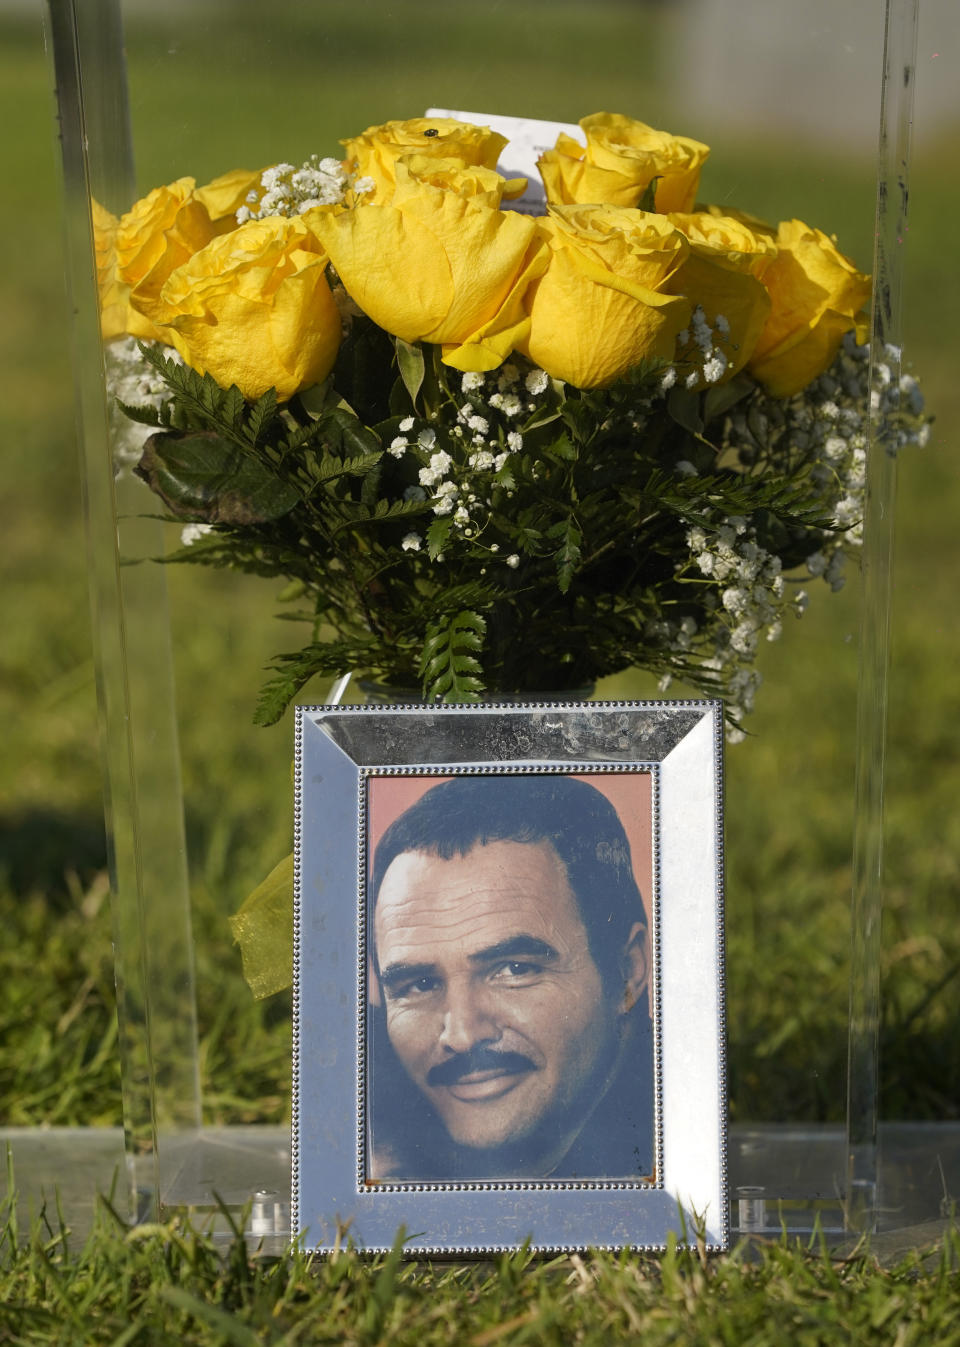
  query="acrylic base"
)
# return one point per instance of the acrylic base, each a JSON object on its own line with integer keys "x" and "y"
{"x": 781, "y": 1177}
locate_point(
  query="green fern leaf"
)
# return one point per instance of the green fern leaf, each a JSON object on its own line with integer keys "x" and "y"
{"x": 261, "y": 416}
{"x": 145, "y": 416}
{"x": 450, "y": 665}
{"x": 567, "y": 555}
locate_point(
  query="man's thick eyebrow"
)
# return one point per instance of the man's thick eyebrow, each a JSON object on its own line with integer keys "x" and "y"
{"x": 405, "y": 972}
{"x": 516, "y": 947}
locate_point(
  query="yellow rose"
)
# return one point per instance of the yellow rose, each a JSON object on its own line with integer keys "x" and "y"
{"x": 114, "y": 295}
{"x": 723, "y": 276}
{"x": 157, "y": 235}
{"x": 253, "y": 308}
{"x": 225, "y": 195}
{"x": 438, "y": 263}
{"x": 621, "y": 159}
{"x": 136, "y": 253}
{"x": 601, "y": 307}
{"x": 817, "y": 296}
{"x": 374, "y": 153}
{"x": 473, "y": 180}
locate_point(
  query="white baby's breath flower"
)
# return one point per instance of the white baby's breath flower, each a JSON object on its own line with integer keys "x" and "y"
{"x": 427, "y": 438}
{"x": 398, "y": 446}
{"x": 668, "y": 378}
{"x": 406, "y": 424}
{"x": 714, "y": 367}
{"x": 535, "y": 383}
{"x": 471, "y": 381}
{"x": 834, "y": 574}
{"x": 192, "y": 533}
{"x": 685, "y": 469}
{"x": 411, "y": 542}
{"x": 816, "y": 563}
{"x": 440, "y": 462}
{"x": 735, "y": 600}
{"x": 447, "y": 493}
{"x": 513, "y": 561}
{"x": 515, "y": 441}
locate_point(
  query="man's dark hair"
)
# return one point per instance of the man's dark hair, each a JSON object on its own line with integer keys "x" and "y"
{"x": 576, "y": 819}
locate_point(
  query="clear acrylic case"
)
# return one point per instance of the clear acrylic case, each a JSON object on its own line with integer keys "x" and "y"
{"x": 147, "y": 94}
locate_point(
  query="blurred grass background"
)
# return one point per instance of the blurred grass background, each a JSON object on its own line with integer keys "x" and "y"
{"x": 229, "y": 84}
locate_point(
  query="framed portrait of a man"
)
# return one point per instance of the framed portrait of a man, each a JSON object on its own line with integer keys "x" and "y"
{"x": 508, "y": 976}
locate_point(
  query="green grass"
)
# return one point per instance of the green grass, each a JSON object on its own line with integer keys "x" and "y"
{"x": 789, "y": 789}
{"x": 171, "y": 1284}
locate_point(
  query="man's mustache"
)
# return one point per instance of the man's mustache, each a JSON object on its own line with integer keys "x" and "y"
{"x": 478, "y": 1059}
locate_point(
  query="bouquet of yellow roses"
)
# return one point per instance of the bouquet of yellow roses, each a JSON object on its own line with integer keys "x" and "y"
{"x": 490, "y": 451}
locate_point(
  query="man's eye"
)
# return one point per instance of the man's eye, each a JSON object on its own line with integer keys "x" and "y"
{"x": 416, "y": 987}
{"x": 515, "y": 970}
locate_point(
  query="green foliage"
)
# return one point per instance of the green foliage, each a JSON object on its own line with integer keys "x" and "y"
{"x": 560, "y": 513}
{"x": 450, "y": 664}
{"x": 173, "y": 1285}
{"x": 202, "y": 477}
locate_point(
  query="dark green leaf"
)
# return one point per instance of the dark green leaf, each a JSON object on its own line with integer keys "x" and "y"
{"x": 722, "y": 397}
{"x": 411, "y": 364}
{"x": 203, "y": 477}
{"x": 437, "y": 535}
{"x": 684, "y": 407}
{"x": 562, "y": 448}
{"x": 649, "y": 198}
{"x": 344, "y": 434}
{"x": 362, "y": 372}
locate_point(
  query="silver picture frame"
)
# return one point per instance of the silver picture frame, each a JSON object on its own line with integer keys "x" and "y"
{"x": 508, "y": 1019}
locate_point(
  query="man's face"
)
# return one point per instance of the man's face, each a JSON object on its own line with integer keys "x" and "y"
{"x": 494, "y": 1004}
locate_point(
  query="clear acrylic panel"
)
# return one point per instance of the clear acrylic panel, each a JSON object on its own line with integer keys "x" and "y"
{"x": 199, "y": 800}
